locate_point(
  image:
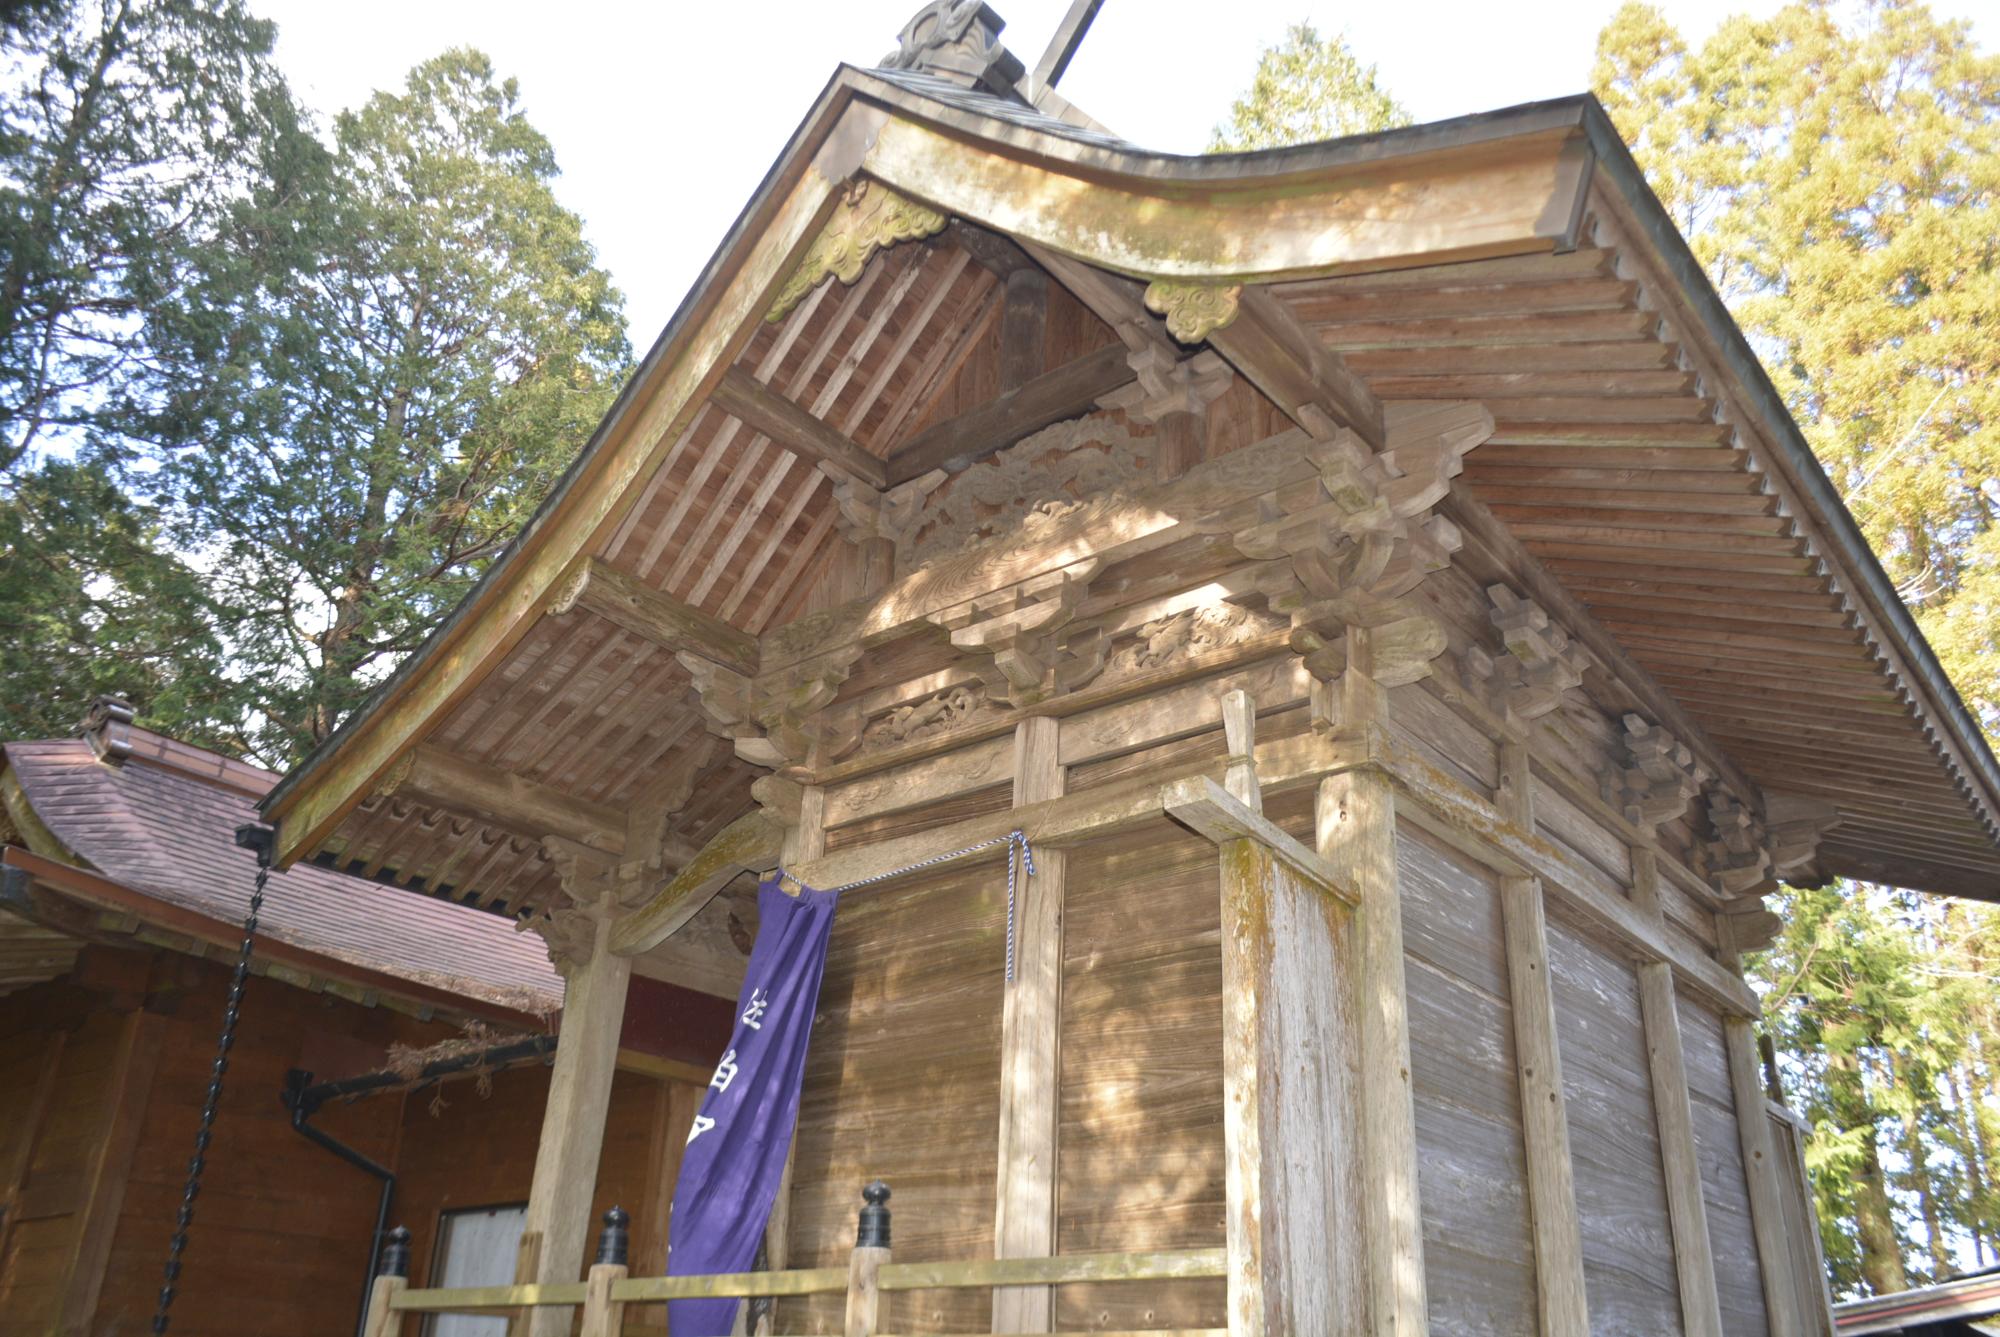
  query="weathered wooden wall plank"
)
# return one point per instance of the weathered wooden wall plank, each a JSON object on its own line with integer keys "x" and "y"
{"x": 1724, "y": 1190}
{"x": 1140, "y": 1152}
{"x": 1479, "y": 1256}
{"x": 902, "y": 1083}
{"x": 1628, "y": 1249}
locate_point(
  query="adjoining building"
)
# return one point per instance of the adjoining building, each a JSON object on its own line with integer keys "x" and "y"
{"x": 391, "y": 1055}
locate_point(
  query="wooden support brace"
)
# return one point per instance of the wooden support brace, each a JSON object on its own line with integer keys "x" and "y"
{"x": 752, "y": 841}
{"x": 603, "y": 1315}
{"x": 1760, "y": 1163}
{"x": 1680, "y": 1158}
{"x": 1292, "y": 1159}
{"x": 572, "y": 1138}
{"x": 1071, "y": 389}
{"x": 1024, "y": 1224}
{"x": 744, "y": 397}
{"x": 384, "y": 1320}
{"x": 630, "y": 603}
{"x": 430, "y": 774}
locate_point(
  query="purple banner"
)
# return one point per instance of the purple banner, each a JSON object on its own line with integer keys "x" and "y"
{"x": 736, "y": 1153}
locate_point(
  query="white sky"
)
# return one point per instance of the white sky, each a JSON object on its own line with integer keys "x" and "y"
{"x": 664, "y": 116}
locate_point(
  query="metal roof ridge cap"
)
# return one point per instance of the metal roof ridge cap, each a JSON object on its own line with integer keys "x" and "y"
{"x": 1802, "y": 468}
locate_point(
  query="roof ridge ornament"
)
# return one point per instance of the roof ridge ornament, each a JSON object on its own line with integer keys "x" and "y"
{"x": 958, "y": 40}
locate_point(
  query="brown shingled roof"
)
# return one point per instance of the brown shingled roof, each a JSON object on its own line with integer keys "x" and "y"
{"x": 160, "y": 819}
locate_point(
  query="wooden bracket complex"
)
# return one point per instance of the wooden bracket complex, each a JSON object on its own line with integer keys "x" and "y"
{"x": 1022, "y": 634}
{"x": 1658, "y": 778}
{"x": 779, "y": 719}
{"x": 1361, "y": 536}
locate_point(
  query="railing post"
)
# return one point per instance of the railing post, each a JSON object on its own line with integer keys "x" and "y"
{"x": 871, "y": 1250}
{"x": 603, "y": 1316}
{"x": 392, "y": 1274}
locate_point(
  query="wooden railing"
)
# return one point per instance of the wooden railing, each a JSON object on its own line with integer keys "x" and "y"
{"x": 868, "y": 1275}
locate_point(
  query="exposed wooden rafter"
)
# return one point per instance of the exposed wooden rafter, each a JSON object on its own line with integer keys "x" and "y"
{"x": 743, "y": 396}
{"x": 662, "y": 619}
{"x": 1287, "y": 361}
{"x": 432, "y": 775}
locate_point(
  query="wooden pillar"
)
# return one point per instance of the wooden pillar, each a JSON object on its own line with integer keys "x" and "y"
{"x": 392, "y": 1276}
{"x": 1659, "y": 1009}
{"x": 864, "y": 1265}
{"x": 1562, "y": 1305}
{"x": 1297, "y": 1258}
{"x": 559, "y": 1196}
{"x": 805, "y": 840}
{"x": 1357, "y": 836}
{"x": 1024, "y": 1219}
{"x": 604, "y": 1316}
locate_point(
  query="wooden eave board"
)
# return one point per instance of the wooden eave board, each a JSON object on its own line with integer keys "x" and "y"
{"x": 1610, "y": 464}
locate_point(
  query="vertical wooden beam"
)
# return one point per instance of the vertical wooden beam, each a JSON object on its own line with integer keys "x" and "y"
{"x": 559, "y": 1195}
{"x": 1024, "y": 1215}
{"x": 1760, "y": 1164}
{"x": 1357, "y": 835}
{"x": 804, "y": 841}
{"x": 1297, "y": 1264}
{"x": 1659, "y": 1009}
{"x": 1024, "y": 328}
{"x": 1563, "y": 1307}
{"x": 383, "y": 1320}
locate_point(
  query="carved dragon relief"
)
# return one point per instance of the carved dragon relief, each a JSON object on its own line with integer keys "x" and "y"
{"x": 1020, "y": 490}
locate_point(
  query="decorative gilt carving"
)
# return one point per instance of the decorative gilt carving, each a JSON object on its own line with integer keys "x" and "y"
{"x": 570, "y": 591}
{"x": 1193, "y": 310}
{"x": 1358, "y": 538}
{"x": 393, "y": 778}
{"x": 869, "y": 217}
{"x": 1167, "y": 384}
{"x": 1029, "y": 652}
{"x": 1658, "y": 778}
{"x": 1018, "y": 491}
{"x": 780, "y": 718}
{"x": 1736, "y": 854}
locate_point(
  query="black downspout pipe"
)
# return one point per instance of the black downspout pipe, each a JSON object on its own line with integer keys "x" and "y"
{"x": 299, "y": 1099}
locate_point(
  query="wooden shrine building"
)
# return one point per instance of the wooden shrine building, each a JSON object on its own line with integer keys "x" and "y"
{"x": 122, "y": 901}
{"x": 1381, "y": 583}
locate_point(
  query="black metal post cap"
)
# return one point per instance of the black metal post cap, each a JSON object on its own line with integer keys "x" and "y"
{"x": 873, "y": 1228}
{"x": 615, "y": 1240}
{"x": 395, "y": 1260}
